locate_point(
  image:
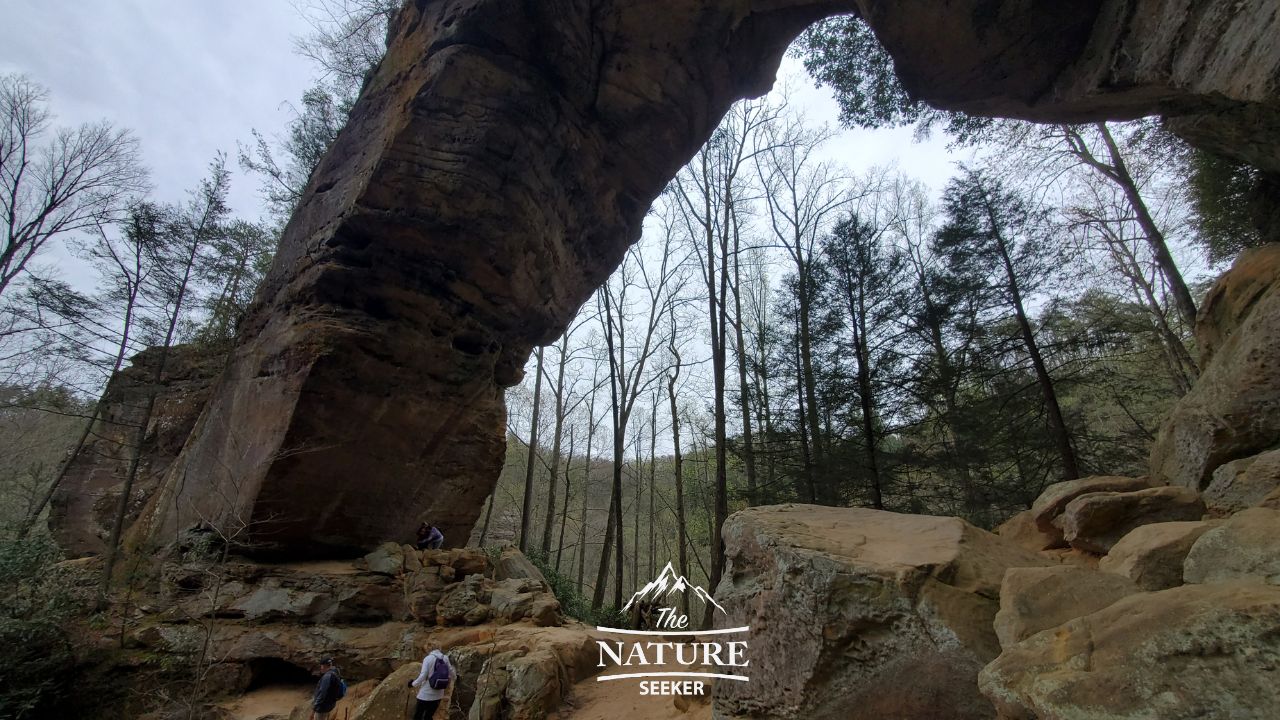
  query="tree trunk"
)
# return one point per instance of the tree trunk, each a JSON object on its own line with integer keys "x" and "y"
{"x": 862, "y": 354}
{"x": 488, "y": 515}
{"x": 678, "y": 470}
{"x": 748, "y": 443}
{"x": 586, "y": 488}
{"x": 809, "y": 387}
{"x": 1160, "y": 249}
{"x": 564, "y": 512}
{"x": 606, "y": 547}
{"x": 555, "y": 448}
{"x": 526, "y": 509}
{"x": 1057, "y": 424}
{"x": 122, "y": 507}
{"x": 653, "y": 482}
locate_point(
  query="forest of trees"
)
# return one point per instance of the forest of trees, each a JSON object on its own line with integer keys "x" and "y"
{"x": 785, "y": 331}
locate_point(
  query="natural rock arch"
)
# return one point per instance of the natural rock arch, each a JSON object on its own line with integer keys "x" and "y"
{"x": 498, "y": 164}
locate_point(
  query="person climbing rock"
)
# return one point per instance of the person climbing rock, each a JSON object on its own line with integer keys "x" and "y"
{"x": 329, "y": 691}
{"x": 429, "y": 537}
{"x": 437, "y": 674}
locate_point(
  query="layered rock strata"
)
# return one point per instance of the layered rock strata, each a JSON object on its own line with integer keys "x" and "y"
{"x": 502, "y": 158}
{"x": 844, "y": 603}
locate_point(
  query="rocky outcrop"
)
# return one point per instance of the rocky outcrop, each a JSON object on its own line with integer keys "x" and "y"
{"x": 511, "y": 645}
{"x": 846, "y": 602}
{"x": 1152, "y": 555}
{"x": 1022, "y": 530}
{"x": 1233, "y": 412}
{"x": 1094, "y": 522}
{"x": 1196, "y": 651}
{"x": 1211, "y": 64}
{"x": 388, "y": 699}
{"x": 1054, "y": 499}
{"x": 1243, "y": 483}
{"x": 1245, "y": 546}
{"x": 499, "y": 162}
{"x": 1035, "y": 599}
{"x": 83, "y": 508}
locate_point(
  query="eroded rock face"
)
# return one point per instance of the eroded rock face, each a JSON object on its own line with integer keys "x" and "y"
{"x": 496, "y": 167}
{"x": 1035, "y": 599}
{"x": 82, "y": 510}
{"x": 1245, "y": 546}
{"x": 1022, "y": 530}
{"x": 1212, "y": 64}
{"x": 1152, "y": 555}
{"x": 1055, "y": 498}
{"x": 846, "y": 602}
{"x": 1243, "y": 483}
{"x": 1196, "y": 651}
{"x": 506, "y": 636}
{"x": 1233, "y": 411}
{"x": 1094, "y": 522}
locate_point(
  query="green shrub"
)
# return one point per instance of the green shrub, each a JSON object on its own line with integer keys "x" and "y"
{"x": 35, "y": 605}
{"x": 574, "y": 603}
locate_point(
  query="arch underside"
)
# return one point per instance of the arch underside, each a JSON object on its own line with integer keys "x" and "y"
{"x": 501, "y": 160}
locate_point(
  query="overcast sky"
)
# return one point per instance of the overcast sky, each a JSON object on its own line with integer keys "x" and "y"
{"x": 194, "y": 78}
{"x": 190, "y": 78}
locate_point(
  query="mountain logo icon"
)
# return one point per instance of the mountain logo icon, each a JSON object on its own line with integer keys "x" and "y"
{"x": 667, "y": 584}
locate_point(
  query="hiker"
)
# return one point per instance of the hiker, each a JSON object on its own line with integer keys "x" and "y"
{"x": 329, "y": 691}
{"x": 429, "y": 537}
{"x": 436, "y": 675}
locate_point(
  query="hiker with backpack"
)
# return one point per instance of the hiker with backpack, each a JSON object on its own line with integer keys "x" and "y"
{"x": 429, "y": 537}
{"x": 436, "y": 675}
{"x": 329, "y": 690}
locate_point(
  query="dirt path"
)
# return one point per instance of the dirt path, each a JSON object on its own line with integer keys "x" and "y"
{"x": 277, "y": 700}
{"x": 322, "y": 567}
{"x": 281, "y": 701}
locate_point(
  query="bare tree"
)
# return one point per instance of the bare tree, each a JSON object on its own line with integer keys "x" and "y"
{"x": 564, "y": 405}
{"x": 802, "y": 192}
{"x": 658, "y": 285}
{"x": 682, "y": 539}
{"x": 526, "y": 507}
{"x": 57, "y": 181}
{"x": 201, "y": 221}
{"x": 347, "y": 40}
{"x": 126, "y": 263}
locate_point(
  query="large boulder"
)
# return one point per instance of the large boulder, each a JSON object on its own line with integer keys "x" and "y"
{"x": 1055, "y": 498}
{"x": 1096, "y": 521}
{"x": 1152, "y": 555}
{"x": 391, "y": 697}
{"x": 1245, "y": 546}
{"x": 1188, "y": 653}
{"x": 519, "y": 685}
{"x": 1034, "y": 599}
{"x": 1243, "y": 483}
{"x": 511, "y": 564}
{"x": 1271, "y": 501}
{"x": 1022, "y": 529}
{"x": 846, "y": 602}
{"x": 386, "y": 559}
{"x": 478, "y": 599}
{"x": 1233, "y": 411}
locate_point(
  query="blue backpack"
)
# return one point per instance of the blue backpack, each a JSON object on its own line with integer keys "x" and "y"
{"x": 337, "y": 688}
{"x": 439, "y": 678}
